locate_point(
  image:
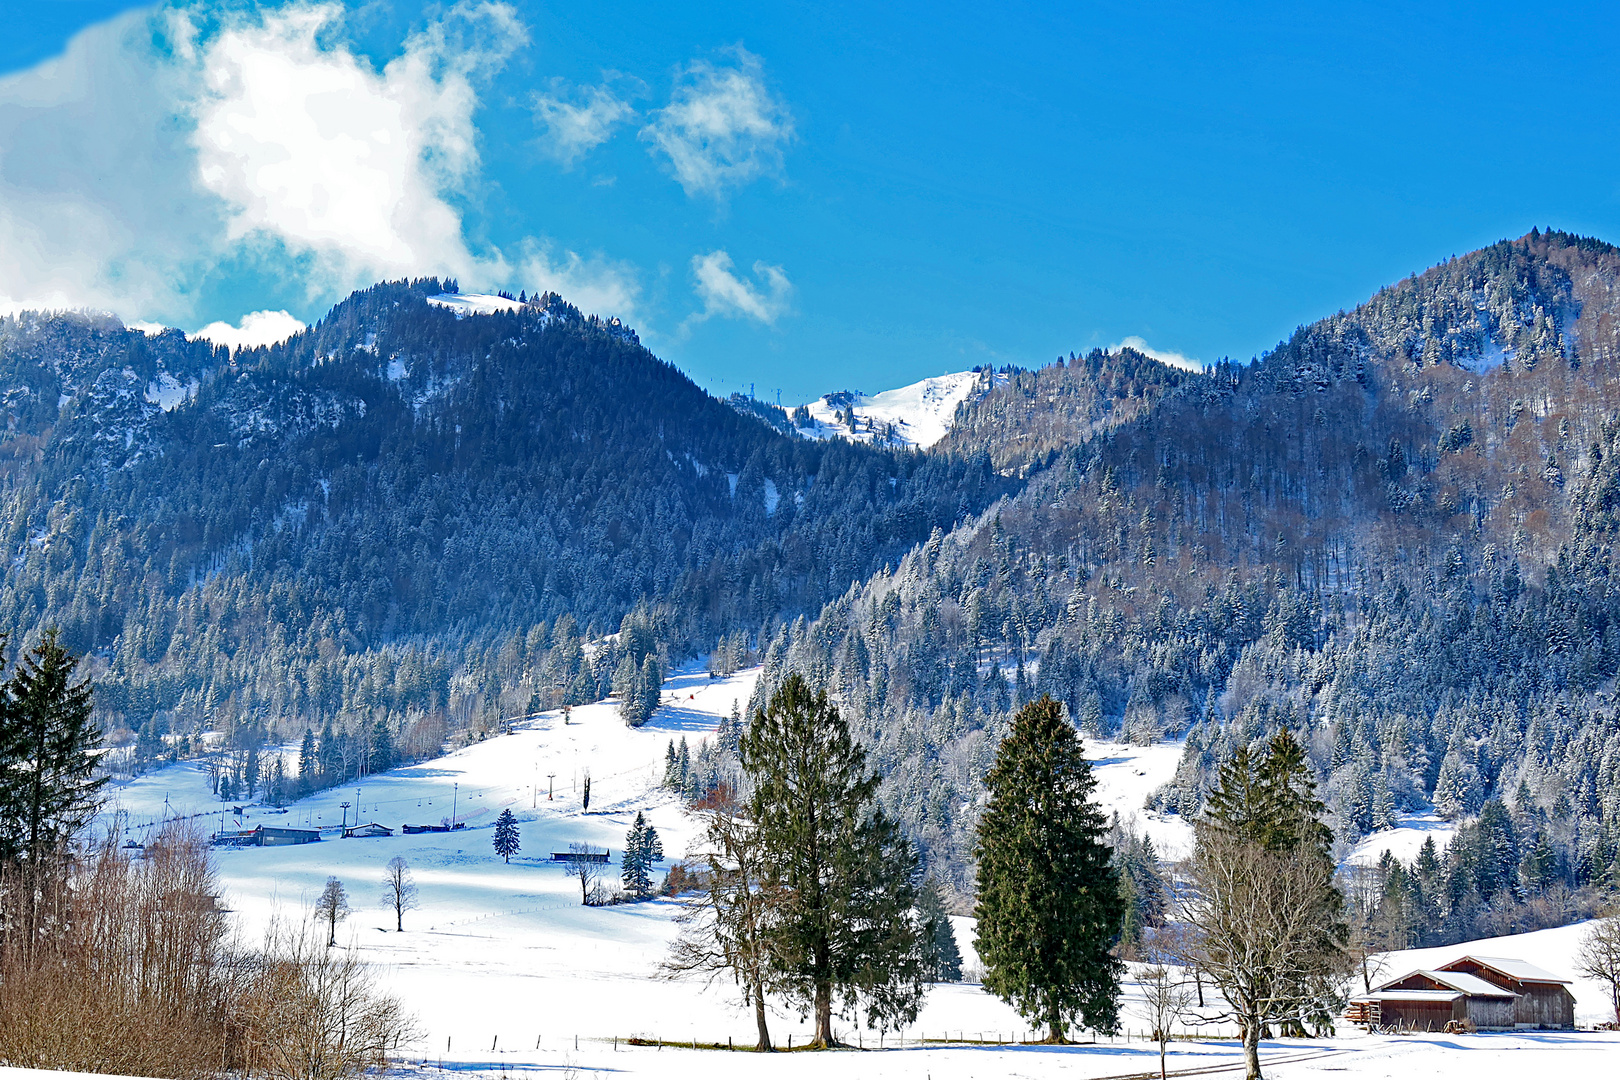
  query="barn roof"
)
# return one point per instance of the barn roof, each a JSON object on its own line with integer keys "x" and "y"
{"x": 1516, "y": 969}
{"x": 1410, "y": 995}
{"x": 1472, "y": 985}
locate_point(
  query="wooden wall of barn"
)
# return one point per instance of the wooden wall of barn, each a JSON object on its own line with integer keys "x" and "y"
{"x": 1491, "y": 1012}
{"x": 1543, "y": 1006}
{"x": 1420, "y": 1015}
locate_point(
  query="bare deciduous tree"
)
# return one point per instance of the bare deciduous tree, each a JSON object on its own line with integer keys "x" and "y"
{"x": 399, "y": 890}
{"x": 332, "y": 907}
{"x": 1261, "y": 939}
{"x": 1167, "y": 996}
{"x": 310, "y": 1012}
{"x": 725, "y": 926}
{"x": 112, "y": 964}
{"x": 584, "y": 863}
{"x": 1599, "y": 956}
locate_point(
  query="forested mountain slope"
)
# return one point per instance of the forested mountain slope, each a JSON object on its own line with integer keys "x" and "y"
{"x": 1393, "y": 532}
{"x": 1024, "y": 419}
{"x": 402, "y": 519}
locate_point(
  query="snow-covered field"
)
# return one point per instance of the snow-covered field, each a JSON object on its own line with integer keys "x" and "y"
{"x": 506, "y": 971}
{"x": 1126, "y": 776}
{"x": 1404, "y": 841}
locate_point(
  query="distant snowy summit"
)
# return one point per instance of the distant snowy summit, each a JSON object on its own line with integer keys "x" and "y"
{"x": 918, "y": 415}
{"x": 549, "y": 304}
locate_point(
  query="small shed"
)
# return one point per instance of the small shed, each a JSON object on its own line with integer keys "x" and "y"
{"x": 1426, "y": 1000}
{"x": 579, "y": 856}
{"x": 270, "y": 836}
{"x": 1542, "y": 999}
{"x": 371, "y": 828}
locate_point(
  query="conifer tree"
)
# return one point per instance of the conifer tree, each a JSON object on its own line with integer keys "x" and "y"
{"x": 642, "y": 849}
{"x": 1049, "y": 906}
{"x": 48, "y": 787}
{"x": 1270, "y": 919}
{"x": 846, "y": 874}
{"x": 507, "y": 839}
{"x": 941, "y": 956}
{"x": 308, "y": 765}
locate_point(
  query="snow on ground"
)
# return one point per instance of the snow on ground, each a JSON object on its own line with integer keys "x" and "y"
{"x": 168, "y": 393}
{"x": 921, "y": 413}
{"x": 1404, "y": 841}
{"x": 506, "y": 971}
{"x": 1126, "y": 776}
{"x": 474, "y": 303}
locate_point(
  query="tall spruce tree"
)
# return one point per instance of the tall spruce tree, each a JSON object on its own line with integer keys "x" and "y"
{"x": 642, "y": 849}
{"x": 846, "y": 875}
{"x": 1269, "y": 917}
{"x": 48, "y": 786}
{"x": 1049, "y": 905}
{"x": 507, "y": 840}
{"x": 941, "y": 955}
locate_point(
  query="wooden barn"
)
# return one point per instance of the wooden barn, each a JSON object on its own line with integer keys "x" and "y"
{"x": 1542, "y": 999}
{"x": 1429, "y": 1000}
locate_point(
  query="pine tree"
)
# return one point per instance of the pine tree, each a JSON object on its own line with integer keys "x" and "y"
{"x": 307, "y": 762}
{"x": 1049, "y": 907}
{"x": 48, "y": 787}
{"x": 846, "y": 873}
{"x": 507, "y": 839}
{"x": 382, "y": 748}
{"x": 942, "y": 958}
{"x": 642, "y": 849}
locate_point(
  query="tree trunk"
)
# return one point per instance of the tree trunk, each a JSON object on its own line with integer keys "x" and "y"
{"x": 1054, "y": 1030}
{"x": 824, "y": 1031}
{"x": 764, "y": 1045}
{"x": 1251, "y": 1051}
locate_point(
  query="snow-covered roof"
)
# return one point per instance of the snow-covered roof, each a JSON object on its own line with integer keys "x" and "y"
{"x": 1516, "y": 969}
{"x": 1472, "y": 985}
{"x": 1410, "y": 995}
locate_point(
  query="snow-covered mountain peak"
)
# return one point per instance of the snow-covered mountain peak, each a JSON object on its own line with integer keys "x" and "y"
{"x": 475, "y": 303}
{"x": 917, "y": 415}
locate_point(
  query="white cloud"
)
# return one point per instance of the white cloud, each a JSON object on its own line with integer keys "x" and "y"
{"x": 725, "y": 294}
{"x": 577, "y": 123}
{"x": 722, "y": 127}
{"x": 596, "y": 286}
{"x": 1174, "y": 359}
{"x": 256, "y": 328}
{"x": 98, "y": 208}
{"x": 311, "y": 148}
{"x": 165, "y": 148}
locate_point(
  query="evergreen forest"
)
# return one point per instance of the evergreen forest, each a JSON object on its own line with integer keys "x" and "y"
{"x": 1391, "y": 536}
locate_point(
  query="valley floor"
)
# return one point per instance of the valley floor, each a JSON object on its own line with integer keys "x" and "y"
{"x": 508, "y": 974}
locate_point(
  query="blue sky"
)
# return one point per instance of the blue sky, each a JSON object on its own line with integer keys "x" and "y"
{"x": 803, "y": 196}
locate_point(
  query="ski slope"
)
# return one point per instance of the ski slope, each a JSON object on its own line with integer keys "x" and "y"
{"x": 921, "y": 413}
